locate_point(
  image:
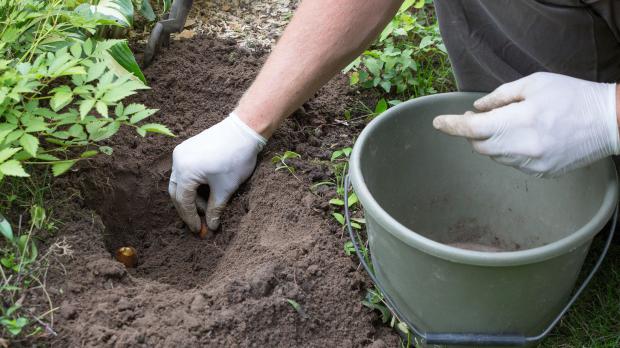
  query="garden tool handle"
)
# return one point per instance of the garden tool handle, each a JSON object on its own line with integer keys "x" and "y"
{"x": 478, "y": 339}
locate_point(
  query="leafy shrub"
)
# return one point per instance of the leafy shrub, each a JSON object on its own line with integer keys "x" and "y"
{"x": 62, "y": 91}
{"x": 409, "y": 57}
{"x": 62, "y": 86}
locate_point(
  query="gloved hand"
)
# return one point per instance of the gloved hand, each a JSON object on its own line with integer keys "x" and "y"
{"x": 544, "y": 124}
{"x": 222, "y": 157}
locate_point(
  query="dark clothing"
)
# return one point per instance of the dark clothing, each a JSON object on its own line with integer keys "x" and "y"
{"x": 491, "y": 42}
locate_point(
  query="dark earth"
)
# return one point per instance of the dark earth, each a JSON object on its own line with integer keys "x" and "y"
{"x": 277, "y": 240}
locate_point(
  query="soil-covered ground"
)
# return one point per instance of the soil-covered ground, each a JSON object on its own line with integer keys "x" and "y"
{"x": 277, "y": 241}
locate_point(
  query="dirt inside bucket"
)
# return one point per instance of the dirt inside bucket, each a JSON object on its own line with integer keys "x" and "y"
{"x": 470, "y": 234}
{"x": 277, "y": 241}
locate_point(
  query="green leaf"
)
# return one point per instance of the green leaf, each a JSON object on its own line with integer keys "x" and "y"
{"x": 14, "y": 135}
{"x": 336, "y": 201}
{"x": 5, "y": 129}
{"x": 354, "y": 78}
{"x": 385, "y": 312}
{"x": 89, "y": 153}
{"x": 76, "y": 50}
{"x": 86, "y": 106}
{"x": 352, "y": 199}
{"x": 347, "y": 151}
{"x": 407, "y": 4}
{"x": 349, "y": 249}
{"x": 61, "y": 98}
{"x": 47, "y": 157}
{"x": 106, "y": 150}
{"x": 36, "y": 125}
{"x": 133, "y": 108}
{"x": 95, "y": 125}
{"x": 8, "y": 152}
{"x": 77, "y": 131}
{"x": 386, "y": 85}
{"x": 387, "y": 31}
{"x": 402, "y": 327}
{"x": 147, "y": 10}
{"x": 102, "y": 108}
{"x": 30, "y": 143}
{"x": 426, "y": 41}
{"x": 141, "y": 115}
{"x": 14, "y": 326}
{"x": 121, "y": 60}
{"x": 5, "y": 228}
{"x": 60, "y": 167}
{"x": 374, "y": 66}
{"x": 105, "y": 132}
{"x": 380, "y": 107}
{"x": 74, "y": 70}
{"x": 13, "y": 168}
{"x": 119, "y": 10}
{"x": 155, "y": 128}
{"x": 37, "y": 215}
{"x": 119, "y": 110}
{"x": 166, "y": 5}
{"x": 122, "y": 91}
{"x": 294, "y": 304}
{"x": 88, "y": 47}
{"x": 95, "y": 71}
{"x": 339, "y": 217}
{"x": 22, "y": 156}
{"x": 336, "y": 154}
{"x": 8, "y": 263}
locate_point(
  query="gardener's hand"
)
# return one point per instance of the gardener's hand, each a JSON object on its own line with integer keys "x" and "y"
{"x": 543, "y": 124}
{"x": 222, "y": 157}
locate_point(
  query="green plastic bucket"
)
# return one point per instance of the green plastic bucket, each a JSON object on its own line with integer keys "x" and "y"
{"x": 423, "y": 191}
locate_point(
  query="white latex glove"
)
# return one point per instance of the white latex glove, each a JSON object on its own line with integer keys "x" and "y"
{"x": 222, "y": 157}
{"x": 544, "y": 124}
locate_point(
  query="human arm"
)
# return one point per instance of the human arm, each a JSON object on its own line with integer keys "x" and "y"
{"x": 321, "y": 39}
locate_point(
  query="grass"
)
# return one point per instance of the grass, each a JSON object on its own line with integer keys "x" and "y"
{"x": 23, "y": 266}
{"x": 594, "y": 320}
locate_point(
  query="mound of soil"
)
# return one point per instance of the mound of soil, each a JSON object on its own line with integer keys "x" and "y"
{"x": 277, "y": 241}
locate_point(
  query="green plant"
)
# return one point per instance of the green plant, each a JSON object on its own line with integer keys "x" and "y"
{"x": 280, "y": 161}
{"x": 62, "y": 91}
{"x": 374, "y": 298}
{"x": 16, "y": 260}
{"x": 22, "y": 275}
{"x": 123, "y": 11}
{"x": 58, "y": 98}
{"x": 297, "y": 307}
{"x": 408, "y": 58}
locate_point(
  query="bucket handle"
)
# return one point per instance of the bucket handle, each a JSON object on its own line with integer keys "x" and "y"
{"x": 479, "y": 339}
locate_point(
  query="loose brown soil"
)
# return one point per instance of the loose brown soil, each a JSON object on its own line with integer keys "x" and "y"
{"x": 468, "y": 233}
{"x": 277, "y": 239}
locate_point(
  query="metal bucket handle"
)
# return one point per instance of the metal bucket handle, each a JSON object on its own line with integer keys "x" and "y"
{"x": 480, "y": 339}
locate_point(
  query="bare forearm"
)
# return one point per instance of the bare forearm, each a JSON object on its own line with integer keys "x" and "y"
{"x": 321, "y": 39}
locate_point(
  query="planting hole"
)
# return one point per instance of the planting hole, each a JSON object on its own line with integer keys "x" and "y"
{"x": 137, "y": 211}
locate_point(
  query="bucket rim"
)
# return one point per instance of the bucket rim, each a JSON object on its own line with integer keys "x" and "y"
{"x": 492, "y": 259}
